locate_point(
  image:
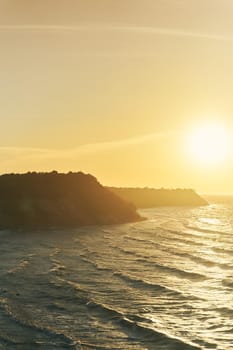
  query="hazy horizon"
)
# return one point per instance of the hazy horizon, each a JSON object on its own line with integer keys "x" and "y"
{"x": 118, "y": 89}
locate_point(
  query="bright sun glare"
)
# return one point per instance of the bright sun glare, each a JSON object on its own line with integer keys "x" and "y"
{"x": 210, "y": 143}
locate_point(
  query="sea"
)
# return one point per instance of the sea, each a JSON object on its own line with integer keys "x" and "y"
{"x": 160, "y": 284}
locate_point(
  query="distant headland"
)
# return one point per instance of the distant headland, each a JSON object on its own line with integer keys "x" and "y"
{"x": 150, "y": 197}
{"x": 60, "y": 200}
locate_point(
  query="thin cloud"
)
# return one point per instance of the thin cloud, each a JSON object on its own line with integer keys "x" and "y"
{"x": 114, "y": 28}
{"x": 82, "y": 150}
{"x": 176, "y": 33}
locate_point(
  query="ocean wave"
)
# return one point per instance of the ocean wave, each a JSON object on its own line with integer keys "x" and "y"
{"x": 224, "y": 311}
{"x": 224, "y": 250}
{"x": 22, "y": 265}
{"x": 228, "y": 282}
{"x": 168, "y": 234}
{"x": 55, "y": 252}
{"x": 190, "y": 275}
{"x": 95, "y": 264}
{"x": 137, "y": 282}
{"x": 16, "y": 314}
{"x": 171, "y": 269}
{"x": 180, "y": 239}
{"x": 178, "y": 252}
{"x": 142, "y": 330}
{"x": 205, "y": 230}
{"x": 156, "y": 337}
{"x": 7, "y": 342}
{"x": 57, "y": 266}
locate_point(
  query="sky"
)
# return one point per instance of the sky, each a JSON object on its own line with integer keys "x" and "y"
{"x": 115, "y": 88}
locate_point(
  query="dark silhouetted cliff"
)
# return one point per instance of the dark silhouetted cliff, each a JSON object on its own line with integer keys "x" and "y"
{"x": 59, "y": 200}
{"x": 149, "y": 197}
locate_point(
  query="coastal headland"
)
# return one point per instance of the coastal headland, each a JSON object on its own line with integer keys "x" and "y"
{"x": 77, "y": 199}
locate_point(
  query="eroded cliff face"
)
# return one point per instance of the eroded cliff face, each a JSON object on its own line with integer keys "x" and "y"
{"x": 149, "y": 197}
{"x": 60, "y": 200}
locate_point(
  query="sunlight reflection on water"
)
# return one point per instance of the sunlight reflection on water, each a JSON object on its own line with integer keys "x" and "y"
{"x": 211, "y": 221}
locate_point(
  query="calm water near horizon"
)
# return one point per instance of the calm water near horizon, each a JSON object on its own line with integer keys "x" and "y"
{"x": 164, "y": 283}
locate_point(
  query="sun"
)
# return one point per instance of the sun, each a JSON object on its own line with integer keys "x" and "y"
{"x": 210, "y": 143}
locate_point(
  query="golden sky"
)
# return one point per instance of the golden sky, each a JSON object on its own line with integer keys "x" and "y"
{"x": 114, "y": 88}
